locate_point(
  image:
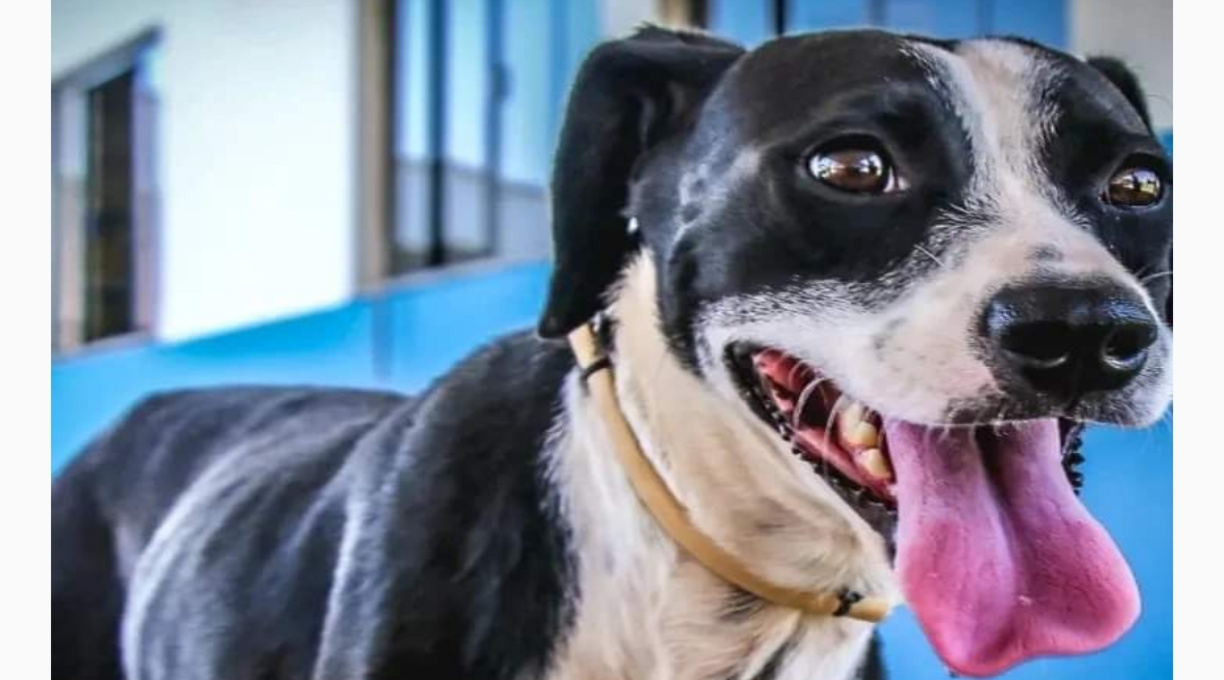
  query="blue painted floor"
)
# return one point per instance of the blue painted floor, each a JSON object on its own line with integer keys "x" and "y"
{"x": 407, "y": 337}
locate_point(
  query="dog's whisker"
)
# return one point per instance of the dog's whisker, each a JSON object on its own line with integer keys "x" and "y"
{"x": 1157, "y": 275}
{"x": 790, "y": 375}
{"x": 839, "y": 405}
{"x": 934, "y": 259}
{"x": 999, "y": 419}
{"x": 801, "y": 402}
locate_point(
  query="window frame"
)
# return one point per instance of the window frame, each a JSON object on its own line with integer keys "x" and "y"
{"x": 382, "y": 82}
{"x": 69, "y": 118}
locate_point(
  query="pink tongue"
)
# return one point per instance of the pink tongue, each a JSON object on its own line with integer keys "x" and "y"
{"x": 997, "y": 556}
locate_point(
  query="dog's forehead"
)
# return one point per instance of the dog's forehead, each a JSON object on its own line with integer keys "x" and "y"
{"x": 790, "y": 75}
{"x": 1024, "y": 72}
{"x": 996, "y": 85}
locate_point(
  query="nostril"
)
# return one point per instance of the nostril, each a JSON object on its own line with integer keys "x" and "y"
{"x": 1125, "y": 347}
{"x": 1068, "y": 340}
{"x": 1041, "y": 345}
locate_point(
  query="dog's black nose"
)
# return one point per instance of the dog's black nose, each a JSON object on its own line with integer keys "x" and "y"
{"x": 1066, "y": 340}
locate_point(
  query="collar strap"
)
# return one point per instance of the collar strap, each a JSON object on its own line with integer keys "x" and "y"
{"x": 596, "y": 368}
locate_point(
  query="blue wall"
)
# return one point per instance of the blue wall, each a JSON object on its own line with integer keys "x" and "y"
{"x": 400, "y": 339}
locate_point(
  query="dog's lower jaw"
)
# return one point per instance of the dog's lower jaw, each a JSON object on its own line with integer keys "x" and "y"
{"x": 644, "y": 609}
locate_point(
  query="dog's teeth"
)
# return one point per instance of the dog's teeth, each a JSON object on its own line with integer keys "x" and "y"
{"x": 862, "y": 433}
{"x": 872, "y": 461}
{"x": 851, "y": 416}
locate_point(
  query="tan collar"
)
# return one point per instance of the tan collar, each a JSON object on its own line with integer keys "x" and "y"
{"x": 654, "y": 493}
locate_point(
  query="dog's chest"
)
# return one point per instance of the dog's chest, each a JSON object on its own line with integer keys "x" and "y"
{"x": 695, "y": 628}
{"x": 643, "y": 610}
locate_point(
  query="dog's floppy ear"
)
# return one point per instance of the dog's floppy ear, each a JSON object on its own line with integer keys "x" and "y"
{"x": 1118, "y": 73}
{"x": 628, "y": 95}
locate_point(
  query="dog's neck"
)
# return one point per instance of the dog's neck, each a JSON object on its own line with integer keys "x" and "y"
{"x": 645, "y": 609}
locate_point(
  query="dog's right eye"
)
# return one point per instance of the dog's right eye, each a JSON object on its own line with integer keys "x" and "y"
{"x": 853, "y": 169}
{"x": 1134, "y": 187}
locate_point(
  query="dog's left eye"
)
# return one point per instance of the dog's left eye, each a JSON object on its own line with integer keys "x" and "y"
{"x": 854, "y": 170}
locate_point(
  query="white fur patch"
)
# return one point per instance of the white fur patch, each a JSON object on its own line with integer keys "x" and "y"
{"x": 647, "y": 610}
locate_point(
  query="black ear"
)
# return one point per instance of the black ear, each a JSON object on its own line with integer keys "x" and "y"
{"x": 628, "y": 95}
{"x": 1118, "y": 73}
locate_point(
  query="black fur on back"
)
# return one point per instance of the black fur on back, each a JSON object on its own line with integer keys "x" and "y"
{"x": 420, "y": 534}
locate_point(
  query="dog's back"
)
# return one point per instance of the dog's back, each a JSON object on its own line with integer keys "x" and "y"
{"x": 296, "y": 533}
{"x": 108, "y": 504}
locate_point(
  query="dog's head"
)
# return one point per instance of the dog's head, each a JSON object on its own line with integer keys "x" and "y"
{"x": 925, "y": 263}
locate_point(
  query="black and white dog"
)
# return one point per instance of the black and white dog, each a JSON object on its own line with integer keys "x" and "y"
{"x": 860, "y": 291}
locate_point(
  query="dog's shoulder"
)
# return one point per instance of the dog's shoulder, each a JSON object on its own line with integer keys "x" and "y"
{"x": 519, "y": 366}
{"x": 464, "y": 569}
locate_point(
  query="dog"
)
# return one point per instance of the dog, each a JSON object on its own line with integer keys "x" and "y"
{"x": 860, "y": 291}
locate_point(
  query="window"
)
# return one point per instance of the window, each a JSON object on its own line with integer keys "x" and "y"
{"x": 477, "y": 89}
{"x": 104, "y": 197}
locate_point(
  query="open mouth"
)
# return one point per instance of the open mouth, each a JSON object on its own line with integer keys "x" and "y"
{"x": 841, "y": 438}
{"x": 995, "y": 554}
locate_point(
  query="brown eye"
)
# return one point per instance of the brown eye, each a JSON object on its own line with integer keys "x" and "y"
{"x": 1134, "y": 187}
{"x": 858, "y": 171}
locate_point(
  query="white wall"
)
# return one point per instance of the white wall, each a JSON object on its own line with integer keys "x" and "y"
{"x": 257, "y": 150}
{"x": 619, "y": 18}
{"x": 1138, "y": 31}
